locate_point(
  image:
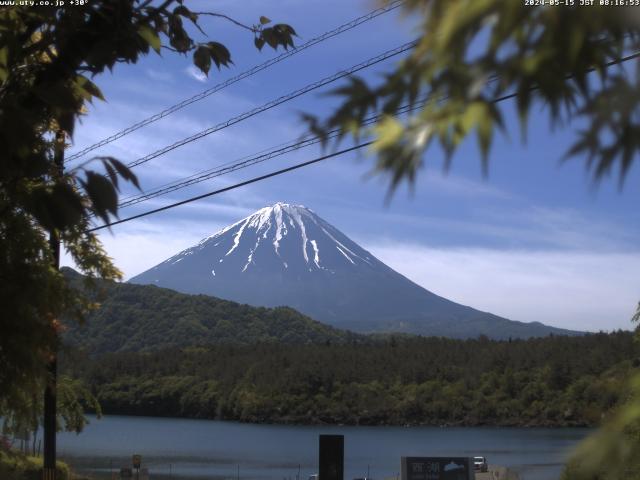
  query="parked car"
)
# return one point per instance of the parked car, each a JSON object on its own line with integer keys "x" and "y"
{"x": 480, "y": 463}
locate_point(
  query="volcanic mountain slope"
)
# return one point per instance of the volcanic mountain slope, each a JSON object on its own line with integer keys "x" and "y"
{"x": 287, "y": 255}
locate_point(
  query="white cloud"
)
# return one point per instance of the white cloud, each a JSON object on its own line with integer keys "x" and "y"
{"x": 578, "y": 290}
{"x": 195, "y": 73}
{"x": 136, "y": 247}
{"x": 462, "y": 187}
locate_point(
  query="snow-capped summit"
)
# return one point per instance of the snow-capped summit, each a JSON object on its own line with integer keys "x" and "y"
{"x": 285, "y": 254}
{"x": 279, "y": 237}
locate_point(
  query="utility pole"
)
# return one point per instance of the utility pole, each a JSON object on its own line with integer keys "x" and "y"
{"x": 49, "y": 423}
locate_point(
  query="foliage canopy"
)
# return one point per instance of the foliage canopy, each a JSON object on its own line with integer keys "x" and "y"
{"x": 473, "y": 53}
{"x": 145, "y": 317}
{"x": 470, "y": 54}
{"x": 551, "y": 381}
{"x": 48, "y": 58}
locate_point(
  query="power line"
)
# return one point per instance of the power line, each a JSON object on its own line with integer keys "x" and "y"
{"x": 309, "y": 162}
{"x": 247, "y": 73}
{"x": 249, "y": 161}
{"x": 273, "y": 103}
{"x": 232, "y": 187}
{"x": 611, "y": 63}
{"x": 219, "y": 171}
{"x": 200, "y": 173}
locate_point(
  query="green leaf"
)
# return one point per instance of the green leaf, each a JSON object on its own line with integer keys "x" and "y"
{"x": 523, "y": 101}
{"x": 269, "y": 37}
{"x": 285, "y": 29}
{"x": 111, "y": 172}
{"x": 259, "y": 42}
{"x": 89, "y": 87}
{"x": 178, "y": 37}
{"x": 202, "y": 58}
{"x": 282, "y": 34}
{"x": 58, "y": 207}
{"x": 67, "y": 121}
{"x": 185, "y": 12}
{"x": 264, "y": 20}
{"x": 219, "y": 54}
{"x": 4, "y": 71}
{"x": 66, "y": 206}
{"x": 150, "y": 36}
{"x": 102, "y": 194}
{"x": 474, "y": 115}
{"x": 60, "y": 94}
{"x": 38, "y": 164}
{"x": 388, "y": 132}
{"x": 124, "y": 171}
{"x": 485, "y": 136}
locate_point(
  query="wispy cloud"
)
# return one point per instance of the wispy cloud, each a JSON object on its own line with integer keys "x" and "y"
{"x": 578, "y": 290}
{"x": 504, "y": 226}
{"x": 161, "y": 76}
{"x": 138, "y": 247}
{"x": 462, "y": 187}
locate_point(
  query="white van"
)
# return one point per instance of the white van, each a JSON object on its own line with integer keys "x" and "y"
{"x": 480, "y": 463}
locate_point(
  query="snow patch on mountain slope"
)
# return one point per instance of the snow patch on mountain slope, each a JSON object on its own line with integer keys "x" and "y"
{"x": 299, "y": 229}
{"x": 236, "y": 237}
{"x": 316, "y": 253}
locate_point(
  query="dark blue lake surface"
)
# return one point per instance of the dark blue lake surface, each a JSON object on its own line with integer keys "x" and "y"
{"x": 200, "y": 449}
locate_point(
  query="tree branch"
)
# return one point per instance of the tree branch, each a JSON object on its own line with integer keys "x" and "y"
{"x": 226, "y": 17}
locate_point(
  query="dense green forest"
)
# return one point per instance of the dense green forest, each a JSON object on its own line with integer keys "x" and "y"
{"x": 552, "y": 381}
{"x": 144, "y": 317}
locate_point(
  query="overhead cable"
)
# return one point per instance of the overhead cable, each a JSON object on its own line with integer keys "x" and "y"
{"x": 247, "y": 73}
{"x": 273, "y": 103}
{"x": 631, "y": 56}
{"x": 248, "y": 161}
{"x": 232, "y": 187}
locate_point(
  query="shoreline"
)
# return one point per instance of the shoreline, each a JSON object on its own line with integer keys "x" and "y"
{"x": 289, "y": 422}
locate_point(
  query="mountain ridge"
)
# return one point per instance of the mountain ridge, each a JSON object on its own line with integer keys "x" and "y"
{"x": 286, "y": 254}
{"x": 140, "y": 318}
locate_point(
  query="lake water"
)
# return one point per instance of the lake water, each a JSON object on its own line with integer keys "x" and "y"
{"x": 181, "y": 449}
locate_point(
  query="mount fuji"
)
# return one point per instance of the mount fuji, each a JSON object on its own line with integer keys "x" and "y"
{"x": 287, "y": 255}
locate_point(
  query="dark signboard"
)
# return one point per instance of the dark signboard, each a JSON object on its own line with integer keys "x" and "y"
{"x": 437, "y": 468}
{"x": 331, "y": 458}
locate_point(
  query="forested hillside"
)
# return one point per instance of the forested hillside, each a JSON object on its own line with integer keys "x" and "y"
{"x": 144, "y": 317}
{"x": 557, "y": 381}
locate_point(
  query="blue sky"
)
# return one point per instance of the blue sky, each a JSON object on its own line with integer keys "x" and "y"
{"x": 535, "y": 240}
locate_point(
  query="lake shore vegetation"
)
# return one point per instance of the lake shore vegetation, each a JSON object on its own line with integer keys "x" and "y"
{"x": 554, "y": 381}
